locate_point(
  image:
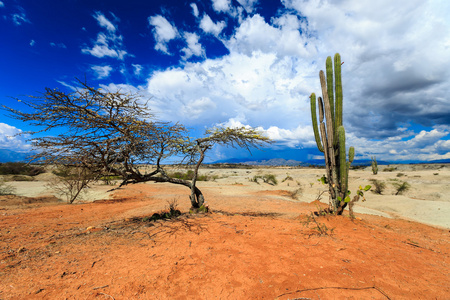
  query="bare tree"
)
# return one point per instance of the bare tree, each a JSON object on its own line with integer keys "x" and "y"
{"x": 114, "y": 133}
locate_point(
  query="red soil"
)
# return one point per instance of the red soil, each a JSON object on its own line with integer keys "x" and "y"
{"x": 249, "y": 247}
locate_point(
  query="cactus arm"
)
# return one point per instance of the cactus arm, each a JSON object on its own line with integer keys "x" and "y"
{"x": 330, "y": 127}
{"x": 314, "y": 122}
{"x": 326, "y": 152}
{"x": 343, "y": 172}
{"x": 338, "y": 90}
{"x": 330, "y": 84}
{"x": 351, "y": 154}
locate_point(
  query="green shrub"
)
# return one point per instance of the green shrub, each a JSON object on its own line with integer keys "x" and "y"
{"x": 389, "y": 169}
{"x": 6, "y": 189}
{"x": 401, "y": 187}
{"x": 267, "y": 178}
{"x": 379, "y": 186}
{"x": 17, "y": 168}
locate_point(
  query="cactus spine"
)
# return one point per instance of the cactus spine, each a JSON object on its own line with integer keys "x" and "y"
{"x": 330, "y": 136}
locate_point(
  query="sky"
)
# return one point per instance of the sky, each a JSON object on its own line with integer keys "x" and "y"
{"x": 244, "y": 63}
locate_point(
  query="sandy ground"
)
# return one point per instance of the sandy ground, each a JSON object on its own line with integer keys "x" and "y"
{"x": 259, "y": 242}
{"x": 427, "y": 201}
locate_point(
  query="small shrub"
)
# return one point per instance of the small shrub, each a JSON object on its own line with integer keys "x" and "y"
{"x": 401, "y": 187}
{"x": 189, "y": 175}
{"x": 379, "y": 186}
{"x": 318, "y": 228}
{"x": 400, "y": 174}
{"x": 389, "y": 169}
{"x": 288, "y": 177}
{"x": 6, "y": 189}
{"x": 267, "y": 178}
{"x": 294, "y": 194}
{"x": 270, "y": 179}
{"x": 22, "y": 178}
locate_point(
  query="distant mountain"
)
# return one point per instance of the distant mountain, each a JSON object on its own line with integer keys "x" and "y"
{"x": 290, "y": 162}
{"x": 13, "y": 156}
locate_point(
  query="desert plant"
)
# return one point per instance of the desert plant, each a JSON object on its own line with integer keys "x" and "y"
{"x": 331, "y": 139}
{"x": 401, "y": 187}
{"x": 359, "y": 194}
{"x": 374, "y": 165}
{"x": 310, "y": 222}
{"x": 389, "y": 169}
{"x": 288, "y": 177}
{"x": 400, "y": 174}
{"x": 6, "y": 189}
{"x": 295, "y": 193}
{"x": 379, "y": 186}
{"x": 71, "y": 181}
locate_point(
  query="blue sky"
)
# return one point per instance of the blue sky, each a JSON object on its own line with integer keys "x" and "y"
{"x": 245, "y": 62}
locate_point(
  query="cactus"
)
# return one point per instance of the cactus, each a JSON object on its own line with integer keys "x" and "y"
{"x": 330, "y": 136}
{"x": 374, "y": 166}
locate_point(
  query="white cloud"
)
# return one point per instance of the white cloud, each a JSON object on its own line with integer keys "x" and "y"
{"x": 102, "y": 71}
{"x": 11, "y": 138}
{"x": 163, "y": 32}
{"x": 194, "y": 10}
{"x": 282, "y": 38}
{"x": 194, "y": 48}
{"x": 32, "y": 43}
{"x": 258, "y": 86}
{"x": 104, "y": 22}
{"x": 221, "y": 5}
{"x": 137, "y": 69}
{"x": 208, "y": 26}
{"x": 2, "y": 4}
{"x": 109, "y": 43}
{"x": 248, "y": 4}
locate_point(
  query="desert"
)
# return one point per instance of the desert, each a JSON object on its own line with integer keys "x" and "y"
{"x": 259, "y": 240}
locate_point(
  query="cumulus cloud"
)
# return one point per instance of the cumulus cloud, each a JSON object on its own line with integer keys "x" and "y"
{"x": 208, "y": 26}
{"x": 282, "y": 37}
{"x": 163, "y": 32}
{"x": 109, "y": 43}
{"x": 102, "y": 72}
{"x": 221, "y": 5}
{"x": 2, "y": 4}
{"x": 248, "y": 4}
{"x": 11, "y": 138}
{"x": 194, "y": 48}
{"x": 394, "y": 73}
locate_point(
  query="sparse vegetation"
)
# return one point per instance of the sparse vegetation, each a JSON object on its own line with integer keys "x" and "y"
{"x": 389, "y": 169}
{"x": 6, "y": 189}
{"x": 71, "y": 181}
{"x": 379, "y": 186}
{"x": 401, "y": 187}
{"x": 310, "y": 222}
{"x": 267, "y": 178}
{"x": 18, "y": 168}
{"x": 400, "y": 174}
{"x": 296, "y": 193}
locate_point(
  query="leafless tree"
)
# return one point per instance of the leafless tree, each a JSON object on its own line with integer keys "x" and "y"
{"x": 114, "y": 133}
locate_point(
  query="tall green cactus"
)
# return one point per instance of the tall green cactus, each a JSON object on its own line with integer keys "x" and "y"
{"x": 330, "y": 136}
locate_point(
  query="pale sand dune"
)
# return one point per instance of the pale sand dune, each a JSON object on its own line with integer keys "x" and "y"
{"x": 427, "y": 201}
